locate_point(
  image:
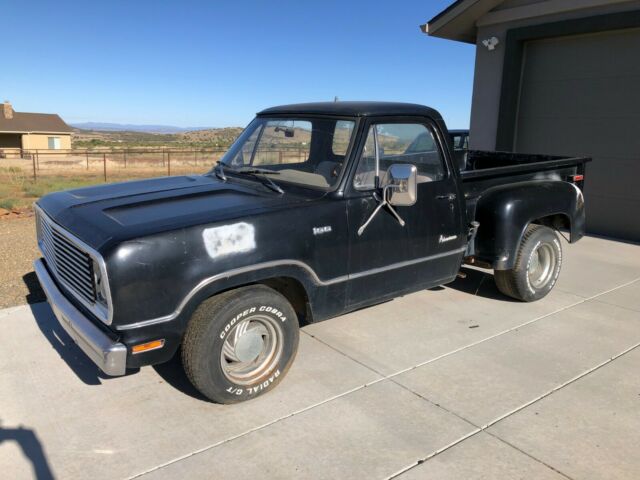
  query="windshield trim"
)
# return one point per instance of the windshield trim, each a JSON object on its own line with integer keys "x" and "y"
{"x": 255, "y": 145}
{"x": 298, "y": 116}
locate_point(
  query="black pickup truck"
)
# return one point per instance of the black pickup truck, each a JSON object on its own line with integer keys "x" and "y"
{"x": 316, "y": 210}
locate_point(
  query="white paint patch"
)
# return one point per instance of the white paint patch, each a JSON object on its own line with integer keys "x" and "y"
{"x": 229, "y": 239}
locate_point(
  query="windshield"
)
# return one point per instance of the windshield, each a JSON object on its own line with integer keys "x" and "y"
{"x": 304, "y": 151}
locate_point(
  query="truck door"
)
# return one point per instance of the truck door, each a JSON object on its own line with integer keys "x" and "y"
{"x": 388, "y": 259}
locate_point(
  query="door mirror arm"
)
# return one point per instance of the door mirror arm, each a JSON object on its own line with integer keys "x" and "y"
{"x": 382, "y": 202}
{"x": 400, "y": 189}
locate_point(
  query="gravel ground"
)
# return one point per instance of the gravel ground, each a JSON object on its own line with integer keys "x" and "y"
{"x": 18, "y": 250}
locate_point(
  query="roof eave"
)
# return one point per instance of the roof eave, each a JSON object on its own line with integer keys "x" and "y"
{"x": 458, "y": 21}
{"x": 465, "y": 37}
{"x": 37, "y": 132}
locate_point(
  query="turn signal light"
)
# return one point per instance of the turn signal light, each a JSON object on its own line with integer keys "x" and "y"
{"x": 145, "y": 347}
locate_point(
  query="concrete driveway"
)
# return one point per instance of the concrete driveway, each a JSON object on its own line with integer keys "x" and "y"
{"x": 456, "y": 382}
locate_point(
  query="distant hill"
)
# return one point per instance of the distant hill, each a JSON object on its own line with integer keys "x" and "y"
{"x": 212, "y": 137}
{"x": 124, "y": 127}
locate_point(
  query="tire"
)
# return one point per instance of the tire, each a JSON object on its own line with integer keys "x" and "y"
{"x": 240, "y": 344}
{"x": 538, "y": 264}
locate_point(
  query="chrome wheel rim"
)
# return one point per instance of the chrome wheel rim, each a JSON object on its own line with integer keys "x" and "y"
{"x": 541, "y": 265}
{"x": 251, "y": 349}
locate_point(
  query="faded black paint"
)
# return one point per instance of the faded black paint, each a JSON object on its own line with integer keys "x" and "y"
{"x": 150, "y": 233}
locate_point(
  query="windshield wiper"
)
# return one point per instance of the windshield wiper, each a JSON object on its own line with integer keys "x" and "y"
{"x": 259, "y": 174}
{"x": 219, "y": 171}
{"x": 266, "y": 171}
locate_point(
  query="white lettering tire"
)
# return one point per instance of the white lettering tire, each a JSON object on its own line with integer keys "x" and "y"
{"x": 240, "y": 344}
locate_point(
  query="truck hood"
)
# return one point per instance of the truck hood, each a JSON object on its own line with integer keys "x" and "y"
{"x": 113, "y": 213}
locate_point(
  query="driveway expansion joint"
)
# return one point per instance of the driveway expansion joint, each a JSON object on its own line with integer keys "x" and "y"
{"x": 392, "y": 380}
{"x": 512, "y": 412}
{"x": 634, "y": 310}
{"x": 389, "y": 377}
{"x": 500, "y": 439}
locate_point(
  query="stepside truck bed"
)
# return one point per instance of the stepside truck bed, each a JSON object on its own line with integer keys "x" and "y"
{"x": 485, "y": 170}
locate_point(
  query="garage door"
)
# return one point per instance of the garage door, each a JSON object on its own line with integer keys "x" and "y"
{"x": 580, "y": 95}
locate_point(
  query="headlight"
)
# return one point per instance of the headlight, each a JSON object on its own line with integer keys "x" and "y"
{"x": 99, "y": 284}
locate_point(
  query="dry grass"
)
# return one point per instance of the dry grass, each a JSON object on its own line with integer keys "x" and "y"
{"x": 18, "y": 191}
{"x": 19, "y": 188}
{"x": 18, "y": 250}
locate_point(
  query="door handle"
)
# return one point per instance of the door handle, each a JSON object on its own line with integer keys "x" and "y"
{"x": 450, "y": 196}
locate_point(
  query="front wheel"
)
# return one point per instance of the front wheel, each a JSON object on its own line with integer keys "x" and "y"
{"x": 240, "y": 344}
{"x": 537, "y": 266}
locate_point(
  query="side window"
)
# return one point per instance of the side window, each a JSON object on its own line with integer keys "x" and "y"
{"x": 400, "y": 143}
{"x": 365, "y": 174}
{"x": 243, "y": 157}
{"x": 460, "y": 142}
{"x": 342, "y": 137}
{"x": 53, "y": 143}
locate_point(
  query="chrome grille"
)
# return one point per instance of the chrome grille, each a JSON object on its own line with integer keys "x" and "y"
{"x": 72, "y": 266}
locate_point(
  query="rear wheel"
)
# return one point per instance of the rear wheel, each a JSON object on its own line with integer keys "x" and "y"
{"x": 240, "y": 344}
{"x": 537, "y": 266}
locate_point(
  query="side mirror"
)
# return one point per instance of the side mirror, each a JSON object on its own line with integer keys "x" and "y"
{"x": 401, "y": 182}
{"x": 398, "y": 189}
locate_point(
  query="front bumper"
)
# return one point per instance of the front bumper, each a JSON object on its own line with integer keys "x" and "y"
{"x": 109, "y": 356}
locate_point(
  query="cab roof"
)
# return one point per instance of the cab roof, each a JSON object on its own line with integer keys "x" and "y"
{"x": 354, "y": 109}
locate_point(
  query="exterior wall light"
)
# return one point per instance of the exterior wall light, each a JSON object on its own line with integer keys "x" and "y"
{"x": 491, "y": 43}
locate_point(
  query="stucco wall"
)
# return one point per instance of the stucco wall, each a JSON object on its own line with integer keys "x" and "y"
{"x": 37, "y": 141}
{"x": 488, "y": 68}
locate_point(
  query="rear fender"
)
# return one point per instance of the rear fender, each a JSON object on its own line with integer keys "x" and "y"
{"x": 505, "y": 212}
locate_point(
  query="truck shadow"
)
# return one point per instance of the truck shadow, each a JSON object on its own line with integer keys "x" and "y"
{"x": 172, "y": 372}
{"x": 36, "y": 294}
{"x": 61, "y": 342}
{"x": 31, "y": 447}
{"x": 479, "y": 283}
{"x": 64, "y": 346}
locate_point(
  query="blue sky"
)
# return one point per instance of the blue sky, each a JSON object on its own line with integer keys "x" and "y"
{"x": 216, "y": 63}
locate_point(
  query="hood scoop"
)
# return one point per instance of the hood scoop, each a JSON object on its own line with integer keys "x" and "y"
{"x": 135, "y": 187}
{"x": 174, "y": 206}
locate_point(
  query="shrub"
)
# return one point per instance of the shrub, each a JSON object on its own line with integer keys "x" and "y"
{"x": 8, "y": 203}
